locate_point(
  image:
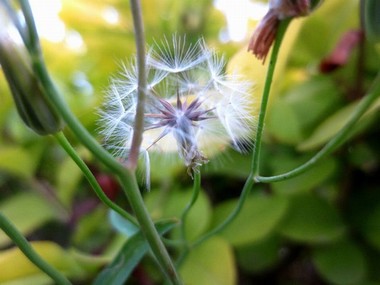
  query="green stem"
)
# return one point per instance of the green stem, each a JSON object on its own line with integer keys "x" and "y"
{"x": 30, "y": 253}
{"x": 260, "y": 128}
{"x": 138, "y": 127}
{"x": 184, "y": 242}
{"x": 335, "y": 142}
{"x": 91, "y": 179}
{"x": 147, "y": 227}
{"x": 126, "y": 175}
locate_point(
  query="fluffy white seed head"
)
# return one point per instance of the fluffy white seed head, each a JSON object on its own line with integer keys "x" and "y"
{"x": 192, "y": 106}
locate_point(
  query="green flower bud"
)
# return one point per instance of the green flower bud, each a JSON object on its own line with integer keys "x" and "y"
{"x": 28, "y": 93}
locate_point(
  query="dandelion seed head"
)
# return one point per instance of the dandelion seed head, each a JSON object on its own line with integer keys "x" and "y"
{"x": 192, "y": 107}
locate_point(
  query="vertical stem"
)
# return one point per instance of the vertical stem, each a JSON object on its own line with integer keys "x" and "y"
{"x": 139, "y": 118}
{"x": 194, "y": 197}
{"x": 126, "y": 176}
{"x": 147, "y": 227}
{"x": 255, "y": 165}
{"x": 256, "y": 151}
{"x": 30, "y": 253}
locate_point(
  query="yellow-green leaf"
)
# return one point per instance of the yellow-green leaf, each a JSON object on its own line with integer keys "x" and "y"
{"x": 211, "y": 263}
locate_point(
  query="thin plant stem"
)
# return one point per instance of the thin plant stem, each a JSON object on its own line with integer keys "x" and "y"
{"x": 65, "y": 144}
{"x": 11, "y": 231}
{"x": 138, "y": 127}
{"x": 195, "y": 194}
{"x": 260, "y": 128}
{"x": 147, "y": 227}
{"x": 335, "y": 142}
{"x": 126, "y": 175}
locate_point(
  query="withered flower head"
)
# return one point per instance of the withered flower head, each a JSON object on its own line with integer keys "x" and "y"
{"x": 265, "y": 33}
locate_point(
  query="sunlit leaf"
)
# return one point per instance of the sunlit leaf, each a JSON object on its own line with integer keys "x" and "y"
{"x": 27, "y": 211}
{"x": 211, "y": 263}
{"x": 331, "y": 126}
{"x": 17, "y": 161}
{"x": 16, "y": 268}
{"x": 258, "y": 218}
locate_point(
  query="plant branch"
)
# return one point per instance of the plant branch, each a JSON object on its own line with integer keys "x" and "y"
{"x": 335, "y": 142}
{"x": 139, "y": 117}
{"x": 256, "y": 151}
{"x": 65, "y": 144}
{"x": 11, "y": 231}
{"x": 125, "y": 175}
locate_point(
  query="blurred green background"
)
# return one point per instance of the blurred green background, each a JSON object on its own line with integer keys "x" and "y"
{"x": 322, "y": 227}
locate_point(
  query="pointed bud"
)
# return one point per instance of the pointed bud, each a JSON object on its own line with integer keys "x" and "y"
{"x": 265, "y": 33}
{"x": 27, "y": 91}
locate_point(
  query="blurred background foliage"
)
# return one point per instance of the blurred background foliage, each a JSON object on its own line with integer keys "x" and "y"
{"x": 322, "y": 227}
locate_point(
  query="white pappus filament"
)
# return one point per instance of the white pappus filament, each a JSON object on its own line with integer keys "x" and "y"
{"x": 192, "y": 106}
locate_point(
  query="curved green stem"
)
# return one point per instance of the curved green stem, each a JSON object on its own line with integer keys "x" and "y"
{"x": 126, "y": 175}
{"x": 30, "y": 253}
{"x": 184, "y": 242}
{"x": 334, "y": 143}
{"x": 194, "y": 197}
{"x": 260, "y": 128}
{"x": 91, "y": 179}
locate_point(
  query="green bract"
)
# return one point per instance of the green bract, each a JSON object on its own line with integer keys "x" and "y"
{"x": 27, "y": 91}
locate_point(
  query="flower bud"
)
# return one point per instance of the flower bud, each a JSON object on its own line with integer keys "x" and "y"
{"x": 27, "y": 91}
{"x": 265, "y": 33}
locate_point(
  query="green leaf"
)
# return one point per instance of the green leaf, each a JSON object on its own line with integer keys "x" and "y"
{"x": 17, "y": 161}
{"x": 259, "y": 256}
{"x": 211, "y": 263}
{"x": 313, "y": 100}
{"x": 258, "y": 218}
{"x": 15, "y": 268}
{"x": 121, "y": 224}
{"x": 311, "y": 219}
{"x": 118, "y": 271}
{"x": 283, "y": 123}
{"x": 27, "y": 211}
{"x": 332, "y": 125}
{"x": 304, "y": 182}
{"x": 163, "y": 205}
{"x": 68, "y": 178}
{"x": 342, "y": 263}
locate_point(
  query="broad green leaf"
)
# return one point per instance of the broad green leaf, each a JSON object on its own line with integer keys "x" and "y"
{"x": 332, "y": 125}
{"x": 15, "y": 268}
{"x": 312, "y": 101}
{"x": 171, "y": 205}
{"x": 118, "y": 271}
{"x": 68, "y": 178}
{"x": 211, "y": 263}
{"x": 311, "y": 219}
{"x": 304, "y": 182}
{"x": 27, "y": 211}
{"x": 259, "y": 256}
{"x": 17, "y": 161}
{"x": 283, "y": 123}
{"x": 342, "y": 263}
{"x": 258, "y": 218}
